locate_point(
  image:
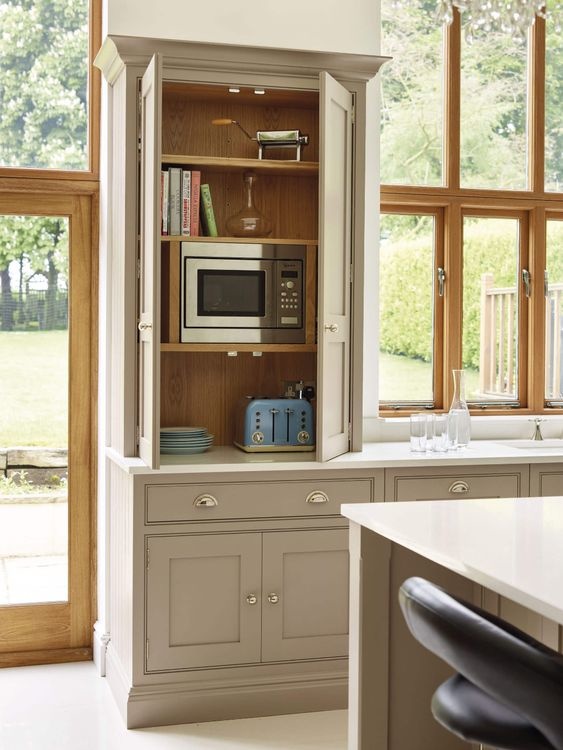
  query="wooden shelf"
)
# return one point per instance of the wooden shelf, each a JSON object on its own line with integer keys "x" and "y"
{"x": 244, "y": 240}
{"x": 264, "y": 166}
{"x": 301, "y": 348}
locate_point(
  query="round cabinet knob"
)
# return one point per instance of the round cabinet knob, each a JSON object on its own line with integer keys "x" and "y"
{"x": 144, "y": 326}
{"x": 251, "y": 599}
{"x": 205, "y": 501}
{"x": 333, "y": 328}
{"x": 273, "y": 598}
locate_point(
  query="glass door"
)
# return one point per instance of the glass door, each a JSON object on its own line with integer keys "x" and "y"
{"x": 46, "y": 387}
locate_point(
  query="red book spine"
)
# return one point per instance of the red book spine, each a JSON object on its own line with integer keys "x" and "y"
{"x": 194, "y": 213}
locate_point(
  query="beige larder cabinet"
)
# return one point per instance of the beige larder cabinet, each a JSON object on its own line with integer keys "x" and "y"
{"x": 164, "y": 98}
{"x": 240, "y": 598}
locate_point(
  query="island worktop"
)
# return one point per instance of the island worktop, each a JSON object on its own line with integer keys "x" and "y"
{"x": 513, "y": 546}
{"x": 510, "y": 546}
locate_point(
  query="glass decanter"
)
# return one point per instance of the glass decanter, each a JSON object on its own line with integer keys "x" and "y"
{"x": 459, "y": 420}
{"x": 249, "y": 221}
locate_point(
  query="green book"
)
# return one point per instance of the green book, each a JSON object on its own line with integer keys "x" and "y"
{"x": 207, "y": 213}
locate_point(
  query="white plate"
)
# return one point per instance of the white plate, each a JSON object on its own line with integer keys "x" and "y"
{"x": 186, "y": 430}
{"x": 185, "y": 451}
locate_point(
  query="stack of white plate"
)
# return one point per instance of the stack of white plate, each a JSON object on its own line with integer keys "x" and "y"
{"x": 184, "y": 440}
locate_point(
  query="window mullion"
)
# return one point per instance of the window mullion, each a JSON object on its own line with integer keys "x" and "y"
{"x": 536, "y": 108}
{"x": 452, "y": 99}
{"x": 536, "y": 310}
{"x": 453, "y": 299}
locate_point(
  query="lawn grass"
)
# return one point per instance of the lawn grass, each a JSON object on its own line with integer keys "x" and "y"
{"x": 34, "y": 389}
{"x": 407, "y": 379}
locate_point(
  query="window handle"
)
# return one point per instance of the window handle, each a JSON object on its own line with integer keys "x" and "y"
{"x": 441, "y": 281}
{"x": 527, "y": 281}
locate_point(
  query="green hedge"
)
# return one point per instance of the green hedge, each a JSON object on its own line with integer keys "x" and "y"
{"x": 406, "y": 293}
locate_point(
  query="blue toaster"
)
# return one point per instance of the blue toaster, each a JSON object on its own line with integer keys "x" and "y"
{"x": 275, "y": 424}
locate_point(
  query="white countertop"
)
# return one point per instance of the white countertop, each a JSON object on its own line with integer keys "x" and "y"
{"x": 513, "y": 546}
{"x": 372, "y": 456}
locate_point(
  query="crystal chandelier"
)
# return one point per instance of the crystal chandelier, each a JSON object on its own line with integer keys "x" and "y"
{"x": 511, "y": 16}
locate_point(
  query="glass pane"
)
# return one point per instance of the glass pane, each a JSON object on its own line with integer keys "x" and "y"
{"x": 490, "y": 308}
{"x": 33, "y": 421}
{"x": 554, "y": 312}
{"x": 412, "y": 93}
{"x": 44, "y": 74}
{"x": 493, "y": 112}
{"x": 553, "y": 103}
{"x": 406, "y": 340}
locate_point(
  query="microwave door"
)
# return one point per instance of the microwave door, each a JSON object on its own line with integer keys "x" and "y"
{"x": 228, "y": 293}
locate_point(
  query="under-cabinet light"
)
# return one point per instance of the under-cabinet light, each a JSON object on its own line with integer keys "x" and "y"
{"x": 234, "y": 90}
{"x": 259, "y": 91}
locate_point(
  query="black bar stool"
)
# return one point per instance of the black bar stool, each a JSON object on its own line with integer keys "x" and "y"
{"x": 508, "y": 690}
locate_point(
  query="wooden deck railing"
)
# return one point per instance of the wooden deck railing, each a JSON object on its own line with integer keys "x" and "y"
{"x": 498, "y": 340}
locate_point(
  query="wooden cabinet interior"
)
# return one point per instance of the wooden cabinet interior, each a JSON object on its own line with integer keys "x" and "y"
{"x": 200, "y": 384}
{"x": 203, "y": 388}
{"x": 286, "y": 190}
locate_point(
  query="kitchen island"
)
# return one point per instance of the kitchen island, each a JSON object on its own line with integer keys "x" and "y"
{"x": 512, "y": 546}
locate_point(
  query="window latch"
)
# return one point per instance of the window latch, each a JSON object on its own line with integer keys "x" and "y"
{"x": 441, "y": 281}
{"x": 527, "y": 281}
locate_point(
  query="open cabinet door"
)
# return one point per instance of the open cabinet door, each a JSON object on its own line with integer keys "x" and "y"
{"x": 333, "y": 398}
{"x": 149, "y": 271}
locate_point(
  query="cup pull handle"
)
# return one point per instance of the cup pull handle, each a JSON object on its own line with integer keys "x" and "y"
{"x": 205, "y": 501}
{"x": 459, "y": 488}
{"x": 317, "y": 496}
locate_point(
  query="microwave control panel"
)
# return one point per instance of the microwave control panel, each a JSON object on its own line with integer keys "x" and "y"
{"x": 289, "y": 293}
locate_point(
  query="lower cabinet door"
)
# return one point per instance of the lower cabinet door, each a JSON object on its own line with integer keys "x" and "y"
{"x": 202, "y": 600}
{"x": 305, "y": 595}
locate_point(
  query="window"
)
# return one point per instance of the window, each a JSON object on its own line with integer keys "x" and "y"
{"x": 49, "y": 102}
{"x": 472, "y": 222}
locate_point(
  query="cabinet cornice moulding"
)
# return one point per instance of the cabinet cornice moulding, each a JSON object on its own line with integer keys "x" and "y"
{"x": 116, "y": 51}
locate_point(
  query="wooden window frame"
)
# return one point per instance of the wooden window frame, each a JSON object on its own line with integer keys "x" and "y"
{"x": 451, "y": 202}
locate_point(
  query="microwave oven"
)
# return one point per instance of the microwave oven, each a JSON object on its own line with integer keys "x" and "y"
{"x": 242, "y": 293}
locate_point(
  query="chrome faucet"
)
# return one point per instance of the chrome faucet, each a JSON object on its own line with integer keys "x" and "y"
{"x": 537, "y": 431}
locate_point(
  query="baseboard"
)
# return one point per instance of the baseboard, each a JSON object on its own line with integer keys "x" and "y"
{"x": 185, "y": 704}
{"x": 100, "y": 645}
{"x": 118, "y": 682}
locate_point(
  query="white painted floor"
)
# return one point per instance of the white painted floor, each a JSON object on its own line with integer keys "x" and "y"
{"x": 68, "y": 707}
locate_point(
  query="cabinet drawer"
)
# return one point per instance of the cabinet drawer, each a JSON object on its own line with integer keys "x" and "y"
{"x": 173, "y": 503}
{"x": 452, "y": 486}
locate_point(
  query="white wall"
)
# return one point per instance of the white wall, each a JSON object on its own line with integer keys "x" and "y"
{"x": 325, "y": 25}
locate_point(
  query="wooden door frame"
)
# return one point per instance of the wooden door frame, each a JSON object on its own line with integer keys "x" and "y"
{"x": 66, "y": 630}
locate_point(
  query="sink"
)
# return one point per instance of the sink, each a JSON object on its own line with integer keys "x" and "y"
{"x": 547, "y": 444}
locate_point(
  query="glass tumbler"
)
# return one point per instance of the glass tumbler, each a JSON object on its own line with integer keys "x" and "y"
{"x": 418, "y": 432}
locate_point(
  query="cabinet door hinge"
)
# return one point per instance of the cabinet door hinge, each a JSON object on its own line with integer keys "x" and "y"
{"x": 147, "y": 558}
{"x": 147, "y": 651}
{"x": 349, "y": 431}
{"x": 353, "y": 114}
{"x": 138, "y": 434}
{"x": 138, "y": 268}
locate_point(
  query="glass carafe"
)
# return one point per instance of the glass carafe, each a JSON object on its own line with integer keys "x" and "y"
{"x": 249, "y": 221}
{"x": 459, "y": 420}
